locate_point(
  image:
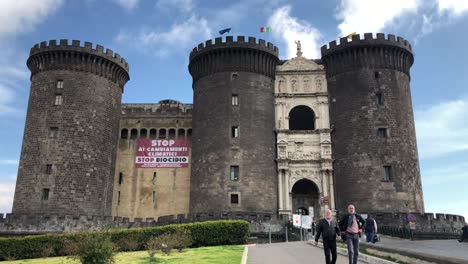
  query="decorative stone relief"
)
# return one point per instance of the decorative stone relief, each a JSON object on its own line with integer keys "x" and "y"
{"x": 294, "y": 85}
{"x": 306, "y": 85}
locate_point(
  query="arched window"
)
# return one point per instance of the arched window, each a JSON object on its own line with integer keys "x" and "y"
{"x": 301, "y": 118}
{"x": 124, "y": 133}
{"x": 172, "y": 133}
{"x": 181, "y": 133}
{"x": 134, "y": 133}
{"x": 143, "y": 133}
{"x": 189, "y": 133}
{"x": 153, "y": 133}
{"x": 162, "y": 133}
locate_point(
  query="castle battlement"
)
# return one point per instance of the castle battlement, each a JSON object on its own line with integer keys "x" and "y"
{"x": 368, "y": 41}
{"x": 52, "y": 56}
{"x": 171, "y": 108}
{"x": 63, "y": 45}
{"x": 230, "y": 43}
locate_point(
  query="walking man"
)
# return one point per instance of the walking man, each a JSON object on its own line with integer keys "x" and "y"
{"x": 370, "y": 227}
{"x": 328, "y": 228}
{"x": 352, "y": 224}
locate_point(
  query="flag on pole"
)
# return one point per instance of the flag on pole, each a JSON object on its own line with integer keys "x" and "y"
{"x": 265, "y": 29}
{"x": 226, "y": 30}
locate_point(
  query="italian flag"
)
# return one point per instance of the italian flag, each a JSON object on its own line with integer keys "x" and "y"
{"x": 265, "y": 29}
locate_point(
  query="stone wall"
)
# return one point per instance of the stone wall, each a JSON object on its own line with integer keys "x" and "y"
{"x": 151, "y": 192}
{"x": 38, "y": 224}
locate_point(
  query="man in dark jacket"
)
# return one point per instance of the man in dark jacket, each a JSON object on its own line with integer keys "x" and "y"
{"x": 352, "y": 223}
{"x": 328, "y": 228}
{"x": 464, "y": 235}
{"x": 370, "y": 228}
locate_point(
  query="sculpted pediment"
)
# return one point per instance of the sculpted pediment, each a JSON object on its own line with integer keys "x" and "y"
{"x": 299, "y": 64}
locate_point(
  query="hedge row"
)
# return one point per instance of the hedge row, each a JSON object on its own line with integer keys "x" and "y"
{"x": 210, "y": 233}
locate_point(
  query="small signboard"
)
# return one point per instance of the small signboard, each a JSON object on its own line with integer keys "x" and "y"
{"x": 411, "y": 218}
{"x": 296, "y": 220}
{"x": 306, "y": 221}
{"x": 412, "y": 225}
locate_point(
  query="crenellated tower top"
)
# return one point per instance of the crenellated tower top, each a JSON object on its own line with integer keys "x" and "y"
{"x": 230, "y": 55}
{"x": 62, "y": 56}
{"x": 380, "y": 52}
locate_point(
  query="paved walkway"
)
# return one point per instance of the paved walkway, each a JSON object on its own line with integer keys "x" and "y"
{"x": 444, "y": 248}
{"x": 288, "y": 253}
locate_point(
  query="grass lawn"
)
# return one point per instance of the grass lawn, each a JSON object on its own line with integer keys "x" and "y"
{"x": 204, "y": 255}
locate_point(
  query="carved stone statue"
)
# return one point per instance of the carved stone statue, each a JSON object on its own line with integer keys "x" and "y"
{"x": 299, "y": 51}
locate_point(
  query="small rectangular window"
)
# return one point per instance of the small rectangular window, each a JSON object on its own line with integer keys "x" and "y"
{"x": 382, "y": 132}
{"x": 154, "y": 196}
{"x": 49, "y": 169}
{"x": 234, "y": 132}
{"x": 120, "y": 178}
{"x": 118, "y": 198}
{"x": 45, "y": 194}
{"x": 235, "y": 99}
{"x": 388, "y": 173}
{"x": 379, "y": 98}
{"x": 59, "y": 84}
{"x": 234, "y": 198}
{"x": 58, "y": 99}
{"x": 154, "y": 178}
{"x": 53, "y": 132}
{"x": 234, "y": 174}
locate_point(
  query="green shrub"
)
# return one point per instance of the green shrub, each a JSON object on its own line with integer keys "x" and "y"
{"x": 210, "y": 233}
{"x": 182, "y": 239}
{"x": 94, "y": 248}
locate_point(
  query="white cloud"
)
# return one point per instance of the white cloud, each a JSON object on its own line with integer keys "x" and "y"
{"x": 8, "y": 162}
{"x": 179, "y": 36}
{"x": 7, "y": 191}
{"x": 19, "y": 16}
{"x": 456, "y": 7}
{"x": 129, "y": 5}
{"x": 289, "y": 29}
{"x": 364, "y": 16}
{"x": 442, "y": 128}
{"x": 180, "y": 5}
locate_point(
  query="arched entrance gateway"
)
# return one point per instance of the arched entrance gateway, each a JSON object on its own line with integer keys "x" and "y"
{"x": 305, "y": 195}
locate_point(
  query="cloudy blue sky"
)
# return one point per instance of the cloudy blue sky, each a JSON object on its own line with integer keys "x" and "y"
{"x": 156, "y": 36}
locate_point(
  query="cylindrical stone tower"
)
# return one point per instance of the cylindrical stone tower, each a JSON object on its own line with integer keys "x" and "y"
{"x": 233, "y": 142}
{"x": 376, "y": 163}
{"x": 70, "y": 138}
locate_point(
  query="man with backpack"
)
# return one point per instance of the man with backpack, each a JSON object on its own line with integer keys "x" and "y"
{"x": 370, "y": 228}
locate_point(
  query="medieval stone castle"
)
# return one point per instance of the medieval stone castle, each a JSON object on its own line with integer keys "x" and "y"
{"x": 266, "y": 136}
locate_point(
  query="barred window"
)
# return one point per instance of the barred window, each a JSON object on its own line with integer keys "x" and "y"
{"x": 53, "y": 131}
{"x": 49, "y": 169}
{"x": 45, "y": 194}
{"x": 234, "y": 173}
{"x": 235, "y": 99}
{"x": 59, "y": 84}
{"x": 234, "y": 198}
{"x": 58, "y": 99}
{"x": 388, "y": 173}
